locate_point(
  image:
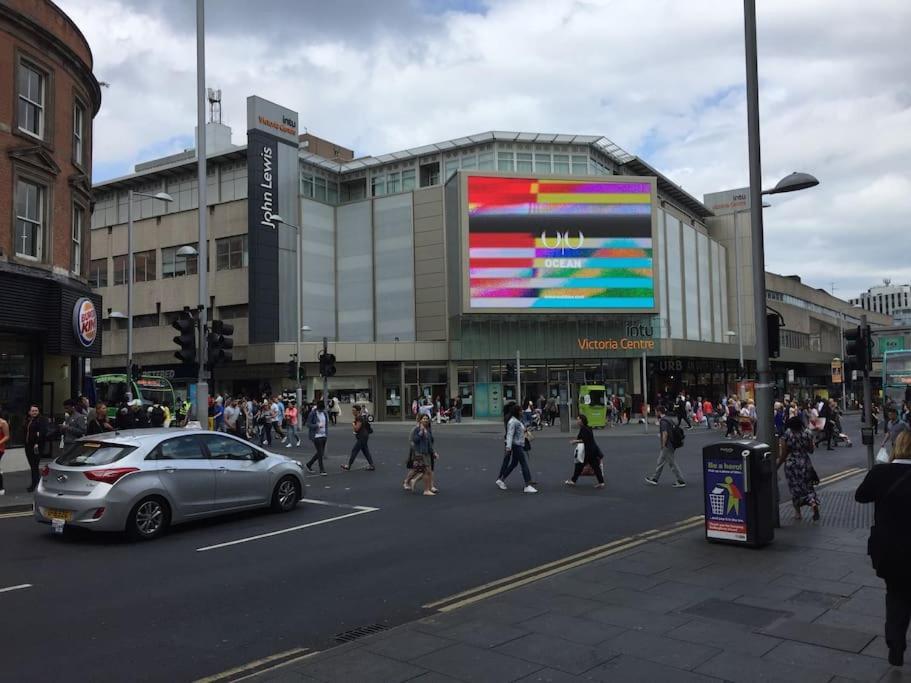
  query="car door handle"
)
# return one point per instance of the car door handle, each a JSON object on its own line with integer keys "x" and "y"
{"x": 222, "y": 469}
{"x": 170, "y": 470}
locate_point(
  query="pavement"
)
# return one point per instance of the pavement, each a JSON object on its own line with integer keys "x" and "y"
{"x": 806, "y": 608}
{"x": 252, "y": 591}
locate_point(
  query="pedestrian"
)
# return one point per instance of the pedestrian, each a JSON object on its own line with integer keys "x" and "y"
{"x": 75, "y": 423}
{"x": 135, "y": 417}
{"x": 457, "y": 408}
{"x": 335, "y": 409}
{"x": 708, "y": 410}
{"x": 515, "y": 454}
{"x": 681, "y": 412}
{"x": 671, "y": 438}
{"x": 99, "y": 422}
{"x": 362, "y": 431}
{"x": 265, "y": 420}
{"x": 422, "y": 455}
{"x": 888, "y": 487}
{"x": 157, "y": 415}
{"x": 317, "y": 422}
{"x": 232, "y": 413}
{"x": 733, "y": 415}
{"x": 794, "y": 453}
{"x": 4, "y": 439}
{"x": 591, "y": 455}
{"x": 37, "y": 427}
{"x": 291, "y": 421}
{"x": 894, "y": 427}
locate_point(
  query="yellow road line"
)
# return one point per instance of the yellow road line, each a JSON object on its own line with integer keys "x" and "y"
{"x": 248, "y": 667}
{"x": 557, "y": 566}
{"x": 10, "y": 515}
{"x": 838, "y": 476}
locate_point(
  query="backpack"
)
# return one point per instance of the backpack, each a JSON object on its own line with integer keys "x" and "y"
{"x": 156, "y": 416}
{"x": 675, "y": 436}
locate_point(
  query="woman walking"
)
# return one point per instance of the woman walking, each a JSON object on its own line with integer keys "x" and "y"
{"x": 888, "y": 487}
{"x": 422, "y": 454}
{"x": 515, "y": 451}
{"x": 592, "y": 454}
{"x": 291, "y": 421}
{"x": 796, "y": 446}
{"x": 316, "y": 427}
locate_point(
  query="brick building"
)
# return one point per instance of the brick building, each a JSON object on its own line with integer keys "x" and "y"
{"x": 48, "y": 319}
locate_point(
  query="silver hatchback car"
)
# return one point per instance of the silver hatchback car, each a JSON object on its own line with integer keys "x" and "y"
{"x": 141, "y": 481}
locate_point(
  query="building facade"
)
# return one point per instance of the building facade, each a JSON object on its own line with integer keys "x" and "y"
{"x": 386, "y": 250}
{"x": 892, "y": 300}
{"x": 49, "y": 320}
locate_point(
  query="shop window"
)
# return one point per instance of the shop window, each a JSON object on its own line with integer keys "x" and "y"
{"x": 76, "y": 236}
{"x": 144, "y": 266}
{"x": 175, "y": 265}
{"x": 98, "y": 273}
{"x": 120, "y": 270}
{"x": 231, "y": 252}
{"x": 78, "y": 133}
{"x": 31, "y": 90}
{"x": 30, "y": 219}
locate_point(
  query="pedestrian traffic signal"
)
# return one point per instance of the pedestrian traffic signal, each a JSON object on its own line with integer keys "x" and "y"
{"x": 220, "y": 344}
{"x": 294, "y": 370}
{"x": 186, "y": 340}
{"x": 858, "y": 348}
{"x": 510, "y": 372}
{"x": 135, "y": 372}
{"x": 326, "y": 364}
{"x": 773, "y": 327}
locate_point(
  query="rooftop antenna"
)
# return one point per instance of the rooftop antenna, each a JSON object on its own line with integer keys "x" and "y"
{"x": 887, "y": 281}
{"x": 214, "y": 97}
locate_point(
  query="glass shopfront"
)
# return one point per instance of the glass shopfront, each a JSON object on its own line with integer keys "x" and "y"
{"x": 16, "y": 372}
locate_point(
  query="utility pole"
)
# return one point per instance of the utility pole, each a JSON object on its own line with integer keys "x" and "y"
{"x": 868, "y": 388}
{"x": 325, "y": 381}
{"x": 519, "y": 380}
{"x": 202, "y": 385}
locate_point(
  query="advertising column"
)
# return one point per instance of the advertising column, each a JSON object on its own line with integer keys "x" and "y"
{"x": 272, "y": 190}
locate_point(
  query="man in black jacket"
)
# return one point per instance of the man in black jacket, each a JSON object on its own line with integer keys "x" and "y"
{"x": 889, "y": 488}
{"x": 36, "y": 434}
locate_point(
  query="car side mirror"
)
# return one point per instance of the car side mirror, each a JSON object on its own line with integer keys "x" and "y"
{"x": 258, "y": 455}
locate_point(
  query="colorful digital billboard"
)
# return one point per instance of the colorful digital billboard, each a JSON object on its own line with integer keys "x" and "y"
{"x": 573, "y": 245}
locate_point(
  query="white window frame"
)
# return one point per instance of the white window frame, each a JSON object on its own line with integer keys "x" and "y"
{"x": 76, "y": 233}
{"x": 40, "y": 106}
{"x": 40, "y": 222}
{"x": 78, "y": 133}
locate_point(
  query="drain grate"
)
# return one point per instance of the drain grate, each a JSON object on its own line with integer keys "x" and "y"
{"x": 359, "y": 632}
{"x": 838, "y": 509}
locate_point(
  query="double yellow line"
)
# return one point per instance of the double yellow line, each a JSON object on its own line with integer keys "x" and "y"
{"x": 260, "y": 666}
{"x": 528, "y": 576}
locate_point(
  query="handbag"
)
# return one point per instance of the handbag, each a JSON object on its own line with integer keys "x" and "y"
{"x": 579, "y": 453}
{"x": 882, "y": 455}
{"x": 813, "y": 477}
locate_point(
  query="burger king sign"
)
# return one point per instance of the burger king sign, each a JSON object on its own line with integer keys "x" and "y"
{"x": 85, "y": 322}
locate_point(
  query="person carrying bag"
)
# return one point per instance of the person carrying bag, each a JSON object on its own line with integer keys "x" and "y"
{"x": 588, "y": 456}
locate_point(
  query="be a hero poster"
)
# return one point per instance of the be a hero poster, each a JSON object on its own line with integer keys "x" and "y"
{"x": 725, "y": 504}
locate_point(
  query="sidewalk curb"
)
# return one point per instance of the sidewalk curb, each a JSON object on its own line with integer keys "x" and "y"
{"x": 18, "y": 507}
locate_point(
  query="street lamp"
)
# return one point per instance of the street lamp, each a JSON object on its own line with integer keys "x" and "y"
{"x": 187, "y": 251}
{"x": 164, "y": 197}
{"x": 792, "y": 183}
{"x": 300, "y": 328}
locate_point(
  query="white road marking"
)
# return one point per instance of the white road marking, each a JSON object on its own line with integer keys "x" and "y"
{"x": 15, "y": 588}
{"x": 360, "y": 511}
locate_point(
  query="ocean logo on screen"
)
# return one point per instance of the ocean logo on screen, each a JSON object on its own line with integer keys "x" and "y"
{"x": 538, "y": 243}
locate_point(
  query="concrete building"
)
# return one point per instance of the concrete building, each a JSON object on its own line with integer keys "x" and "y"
{"x": 390, "y": 276}
{"x": 48, "y": 319}
{"x": 886, "y": 298}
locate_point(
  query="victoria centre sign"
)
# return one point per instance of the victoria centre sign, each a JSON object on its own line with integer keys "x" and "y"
{"x": 559, "y": 244}
{"x": 272, "y": 190}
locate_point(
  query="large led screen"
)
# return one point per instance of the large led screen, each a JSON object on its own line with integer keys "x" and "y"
{"x": 537, "y": 243}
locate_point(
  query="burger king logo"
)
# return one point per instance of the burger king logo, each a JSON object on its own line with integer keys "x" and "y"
{"x": 85, "y": 322}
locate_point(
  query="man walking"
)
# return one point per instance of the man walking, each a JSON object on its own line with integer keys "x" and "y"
{"x": 680, "y": 411}
{"x": 317, "y": 422}
{"x": 75, "y": 422}
{"x": 671, "y": 439}
{"x": 362, "y": 431}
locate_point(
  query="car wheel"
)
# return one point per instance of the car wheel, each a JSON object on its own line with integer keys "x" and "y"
{"x": 148, "y": 519}
{"x": 286, "y": 495}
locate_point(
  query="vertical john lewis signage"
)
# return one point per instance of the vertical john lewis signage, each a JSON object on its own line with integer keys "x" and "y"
{"x": 272, "y": 190}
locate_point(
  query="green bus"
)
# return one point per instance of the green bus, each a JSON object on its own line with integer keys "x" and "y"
{"x": 593, "y": 404}
{"x": 150, "y": 389}
{"x": 897, "y": 376}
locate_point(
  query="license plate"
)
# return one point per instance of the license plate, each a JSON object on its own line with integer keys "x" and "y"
{"x": 64, "y": 515}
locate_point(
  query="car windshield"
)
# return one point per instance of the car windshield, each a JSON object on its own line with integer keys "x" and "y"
{"x": 92, "y": 453}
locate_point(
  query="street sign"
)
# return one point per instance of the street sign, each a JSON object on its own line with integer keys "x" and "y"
{"x": 728, "y": 201}
{"x": 837, "y": 371}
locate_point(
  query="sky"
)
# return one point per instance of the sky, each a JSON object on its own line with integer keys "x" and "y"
{"x": 664, "y": 79}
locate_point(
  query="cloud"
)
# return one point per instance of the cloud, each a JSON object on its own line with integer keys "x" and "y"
{"x": 664, "y": 79}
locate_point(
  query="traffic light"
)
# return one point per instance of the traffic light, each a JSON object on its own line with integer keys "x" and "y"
{"x": 186, "y": 340}
{"x": 510, "y": 371}
{"x": 326, "y": 364}
{"x": 858, "y": 348}
{"x": 220, "y": 343}
{"x": 135, "y": 372}
{"x": 293, "y": 368}
{"x": 773, "y": 327}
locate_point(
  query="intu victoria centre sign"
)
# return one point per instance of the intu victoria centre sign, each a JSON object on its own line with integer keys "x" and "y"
{"x": 636, "y": 337}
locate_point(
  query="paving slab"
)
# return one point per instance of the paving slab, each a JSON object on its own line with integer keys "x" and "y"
{"x": 636, "y": 619}
{"x": 470, "y": 663}
{"x": 736, "y": 612}
{"x": 557, "y": 653}
{"x": 795, "y": 610}
{"x": 739, "y": 668}
{"x": 827, "y": 660}
{"x": 653, "y": 602}
{"x": 406, "y": 644}
{"x": 877, "y": 648}
{"x": 483, "y": 634}
{"x": 729, "y": 637}
{"x": 662, "y": 650}
{"x": 852, "y": 620}
{"x": 628, "y": 669}
{"x": 835, "y": 637}
{"x": 550, "y": 676}
{"x": 842, "y": 588}
{"x": 606, "y": 578}
{"x": 576, "y": 629}
{"x": 359, "y": 665}
{"x": 816, "y": 599}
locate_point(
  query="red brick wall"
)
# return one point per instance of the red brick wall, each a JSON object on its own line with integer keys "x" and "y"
{"x": 39, "y": 31}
